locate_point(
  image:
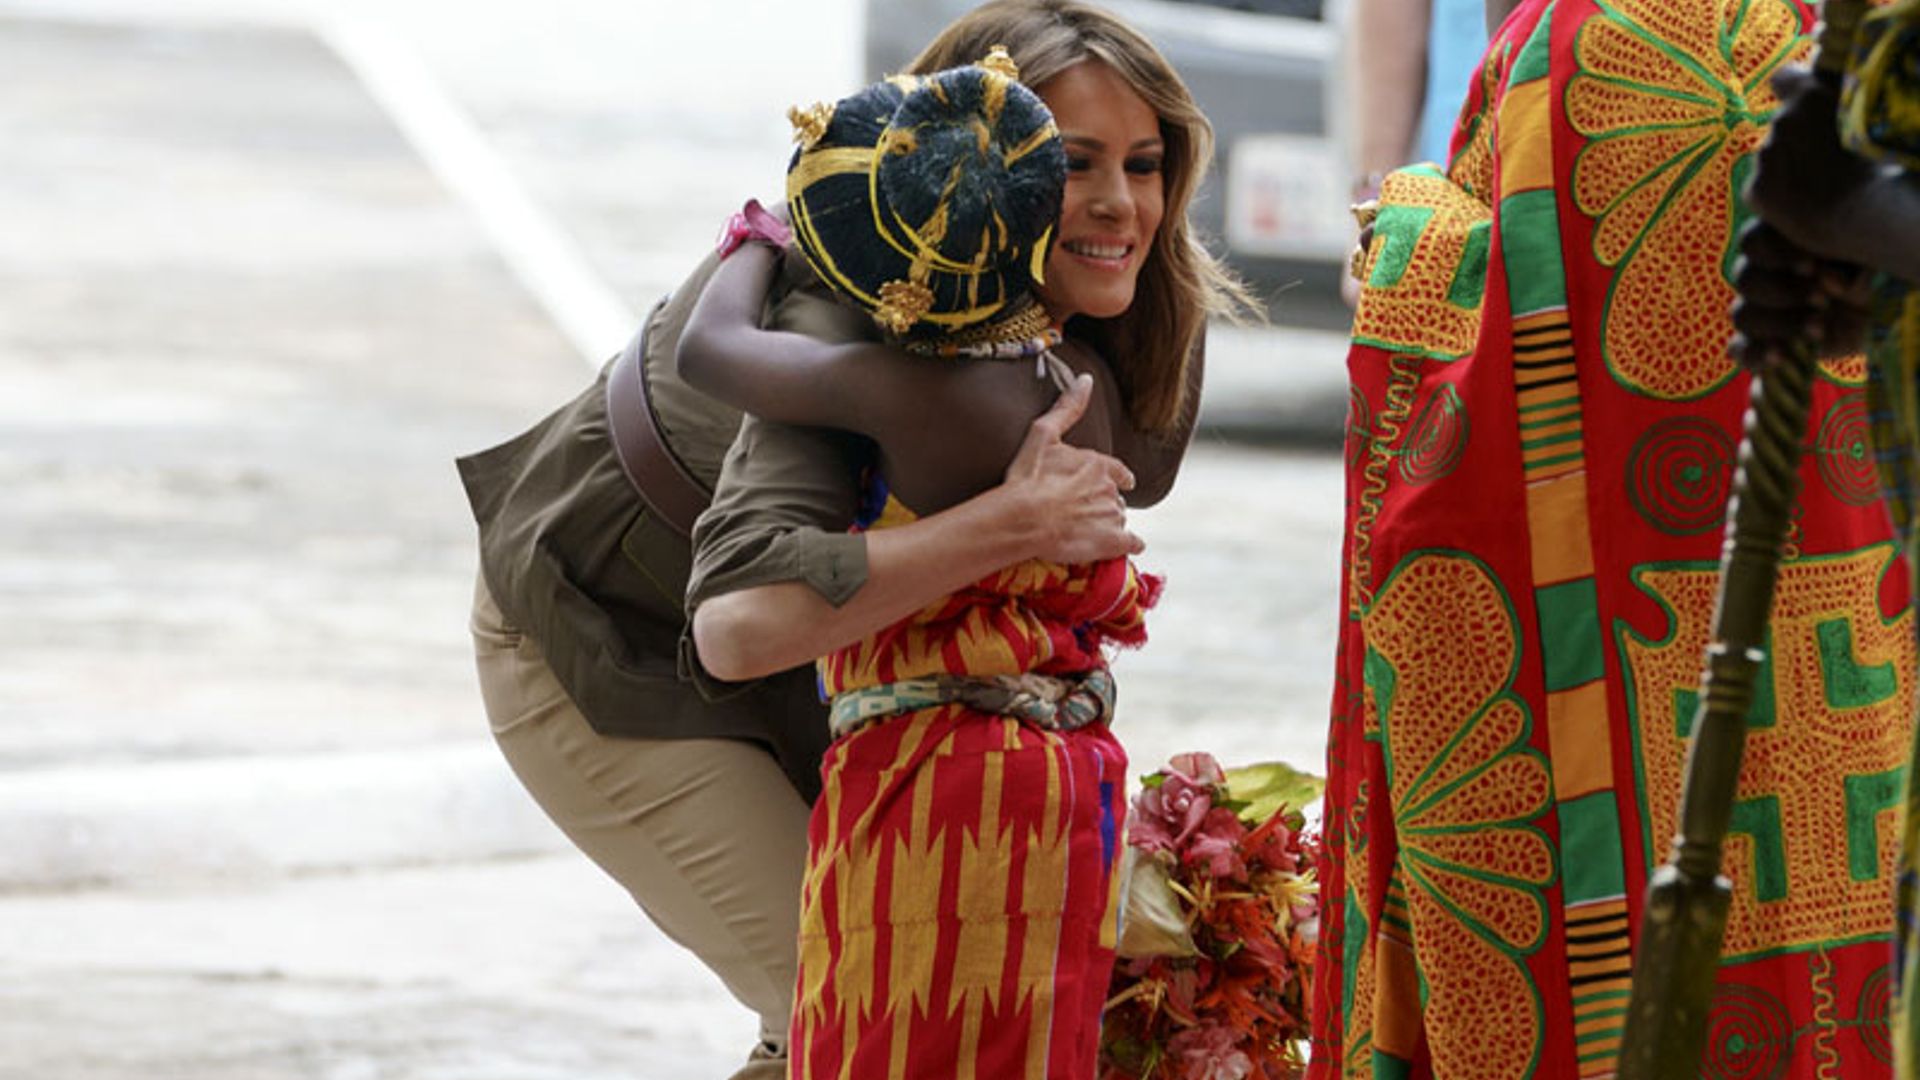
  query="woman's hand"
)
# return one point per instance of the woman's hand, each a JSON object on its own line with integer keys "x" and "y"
{"x": 1058, "y": 502}
{"x": 1078, "y": 494}
{"x": 1351, "y": 282}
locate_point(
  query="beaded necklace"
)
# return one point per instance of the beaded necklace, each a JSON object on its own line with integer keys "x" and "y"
{"x": 1025, "y": 335}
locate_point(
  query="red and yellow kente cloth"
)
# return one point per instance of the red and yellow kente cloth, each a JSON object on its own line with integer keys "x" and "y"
{"x": 958, "y": 914}
{"x": 1541, "y": 444}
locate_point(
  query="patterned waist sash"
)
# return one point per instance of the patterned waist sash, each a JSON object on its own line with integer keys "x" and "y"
{"x": 1052, "y": 702}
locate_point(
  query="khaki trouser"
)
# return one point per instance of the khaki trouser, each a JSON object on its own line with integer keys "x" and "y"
{"x": 707, "y": 835}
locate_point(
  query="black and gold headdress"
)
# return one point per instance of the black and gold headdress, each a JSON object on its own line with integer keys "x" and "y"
{"x": 930, "y": 201}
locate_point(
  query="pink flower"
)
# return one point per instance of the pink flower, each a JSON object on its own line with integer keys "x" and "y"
{"x": 1207, "y": 1052}
{"x": 1199, "y": 767}
{"x": 1273, "y": 846}
{"x": 1216, "y": 845}
{"x": 1183, "y": 985}
{"x": 1165, "y": 816}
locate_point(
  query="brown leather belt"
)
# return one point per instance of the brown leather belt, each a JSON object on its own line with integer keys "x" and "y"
{"x": 664, "y": 484}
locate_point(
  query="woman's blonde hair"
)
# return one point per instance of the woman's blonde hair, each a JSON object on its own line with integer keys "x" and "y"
{"x": 1151, "y": 345}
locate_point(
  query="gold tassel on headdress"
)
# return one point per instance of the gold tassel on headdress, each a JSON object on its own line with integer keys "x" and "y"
{"x": 1000, "y": 62}
{"x": 902, "y": 303}
{"x": 810, "y": 123}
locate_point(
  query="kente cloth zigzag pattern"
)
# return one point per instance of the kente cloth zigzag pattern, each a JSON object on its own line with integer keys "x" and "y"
{"x": 1540, "y": 448}
{"x": 959, "y": 909}
{"x": 1034, "y": 616}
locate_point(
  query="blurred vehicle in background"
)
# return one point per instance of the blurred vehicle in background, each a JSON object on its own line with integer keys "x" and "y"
{"x": 1265, "y": 73}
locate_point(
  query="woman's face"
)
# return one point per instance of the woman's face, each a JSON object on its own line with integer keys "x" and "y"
{"x": 1115, "y": 194}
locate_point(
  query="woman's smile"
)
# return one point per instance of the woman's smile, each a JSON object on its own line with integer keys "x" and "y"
{"x": 1115, "y": 194}
{"x": 1109, "y": 255}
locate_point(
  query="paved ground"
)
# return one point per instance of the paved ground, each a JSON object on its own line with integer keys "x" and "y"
{"x": 254, "y": 825}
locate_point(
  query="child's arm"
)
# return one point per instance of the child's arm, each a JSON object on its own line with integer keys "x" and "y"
{"x": 774, "y": 374}
{"x": 1057, "y": 502}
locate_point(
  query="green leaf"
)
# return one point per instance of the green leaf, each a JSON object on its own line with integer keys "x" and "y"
{"x": 1268, "y": 785}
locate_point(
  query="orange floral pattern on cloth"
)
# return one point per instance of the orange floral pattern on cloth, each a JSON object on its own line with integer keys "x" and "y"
{"x": 1672, "y": 105}
{"x": 1472, "y": 166}
{"x": 1467, "y": 791}
{"x": 958, "y": 913}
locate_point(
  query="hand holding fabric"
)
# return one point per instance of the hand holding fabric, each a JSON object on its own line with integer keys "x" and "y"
{"x": 1787, "y": 296}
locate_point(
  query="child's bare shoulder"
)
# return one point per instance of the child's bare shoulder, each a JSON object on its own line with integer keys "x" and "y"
{"x": 1107, "y": 410}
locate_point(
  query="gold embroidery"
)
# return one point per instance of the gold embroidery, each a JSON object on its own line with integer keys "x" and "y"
{"x": 1671, "y": 111}
{"x": 1850, "y": 721}
{"x": 1420, "y": 242}
{"x": 902, "y": 303}
{"x": 1000, "y": 62}
{"x": 1467, "y": 788}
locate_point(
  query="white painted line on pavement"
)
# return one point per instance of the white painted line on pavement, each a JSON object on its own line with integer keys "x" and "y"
{"x": 535, "y": 247}
{"x": 78, "y": 826}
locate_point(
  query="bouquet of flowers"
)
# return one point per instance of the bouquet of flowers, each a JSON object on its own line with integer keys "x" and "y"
{"x": 1222, "y": 914}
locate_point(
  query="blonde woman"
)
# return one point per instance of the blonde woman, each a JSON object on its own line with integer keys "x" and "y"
{"x": 693, "y": 792}
{"x": 1016, "y": 972}
{"x": 1145, "y": 313}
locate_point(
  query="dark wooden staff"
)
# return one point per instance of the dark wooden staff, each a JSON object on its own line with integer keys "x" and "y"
{"x": 1685, "y": 916}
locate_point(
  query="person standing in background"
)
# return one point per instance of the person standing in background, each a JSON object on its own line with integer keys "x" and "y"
{"x": 1408, "y": 66}
{"x": 1834, "y": 261}
{"x": 1541, "y": 444}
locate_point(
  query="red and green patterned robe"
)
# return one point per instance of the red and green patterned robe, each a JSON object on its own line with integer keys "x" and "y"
{"x": 1541, "y": 444}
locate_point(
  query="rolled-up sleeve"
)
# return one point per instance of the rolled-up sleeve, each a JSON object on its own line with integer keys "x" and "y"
{"x": 780, "y": 512}
{"x": 786, "y": 494}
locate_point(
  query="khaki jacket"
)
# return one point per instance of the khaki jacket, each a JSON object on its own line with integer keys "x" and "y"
{"x": 577, "y": 561}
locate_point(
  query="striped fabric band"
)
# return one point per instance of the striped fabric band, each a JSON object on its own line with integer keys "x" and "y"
{"x": 1051, "y": 702}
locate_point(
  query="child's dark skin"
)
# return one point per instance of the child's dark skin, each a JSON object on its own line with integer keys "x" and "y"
{"x": 945, "y": 428}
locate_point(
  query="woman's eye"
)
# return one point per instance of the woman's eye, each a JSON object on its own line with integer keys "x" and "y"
{"x": 1144, "y": 166}
{"x": 1076, "y": 163}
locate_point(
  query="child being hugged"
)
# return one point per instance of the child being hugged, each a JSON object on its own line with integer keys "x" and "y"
{"x": 959, "y": 906}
